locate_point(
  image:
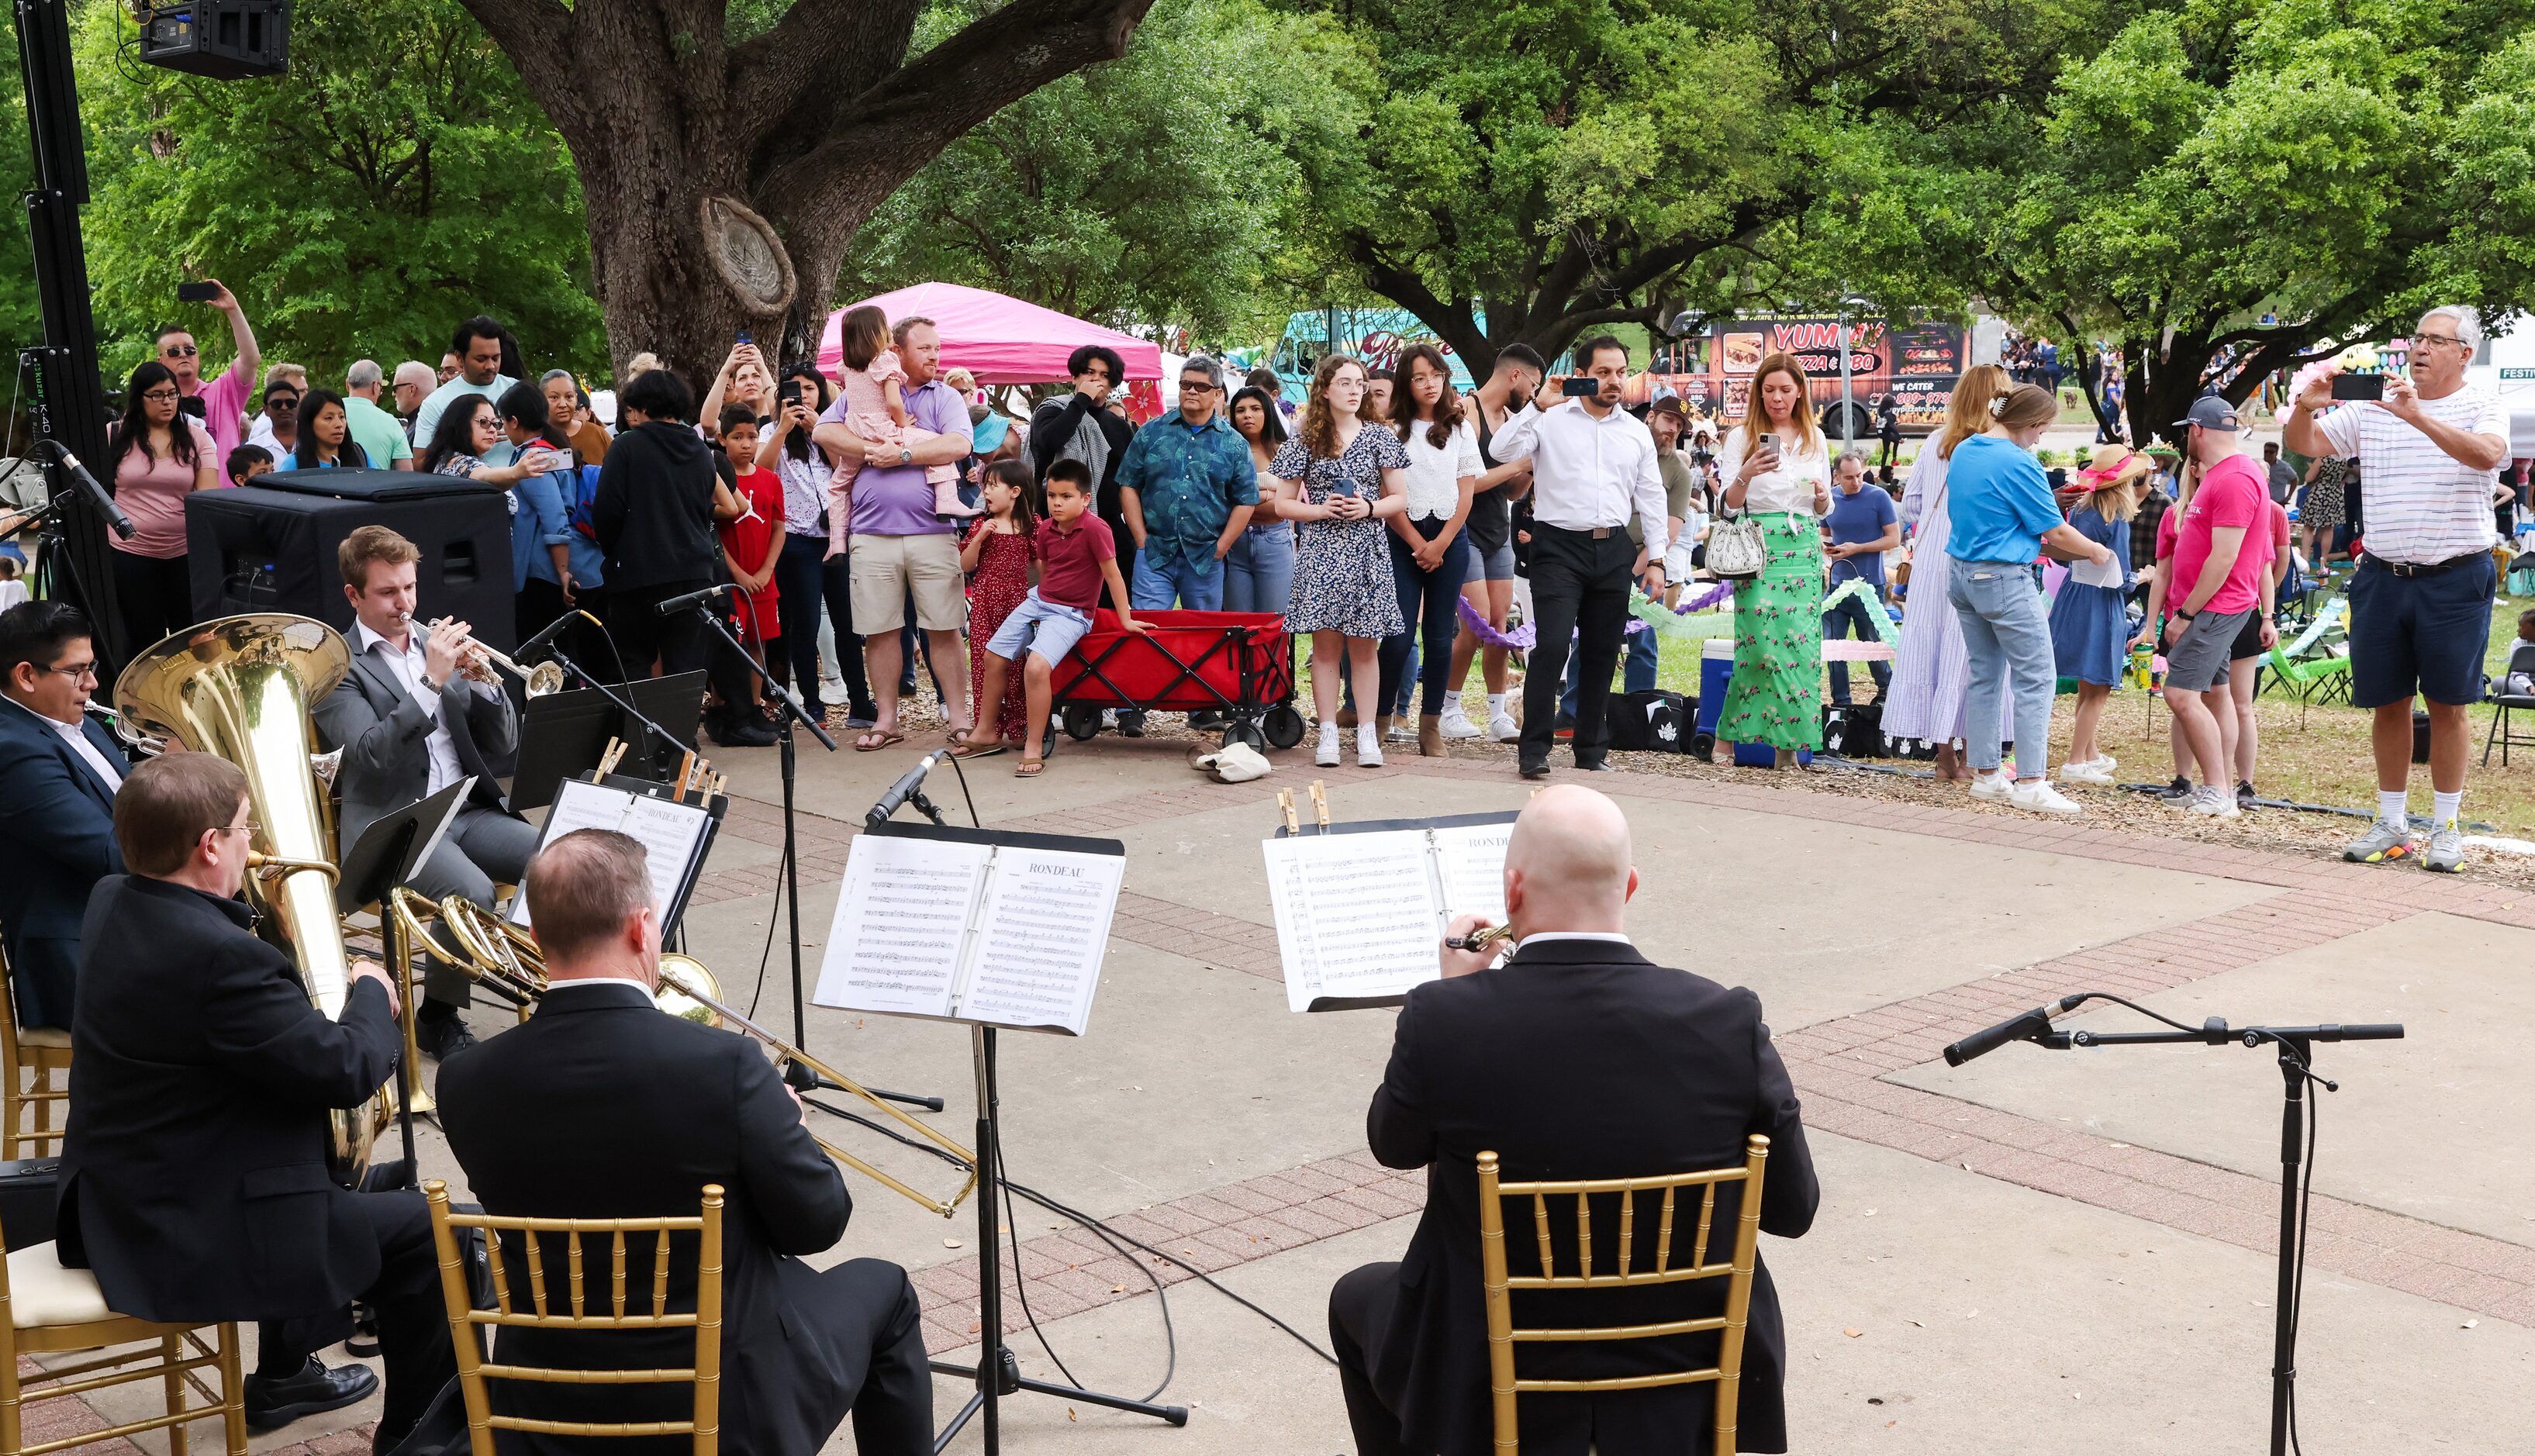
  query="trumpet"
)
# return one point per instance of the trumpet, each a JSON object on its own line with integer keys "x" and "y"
{"x": 1483, "y": 937}
{"x": 542, "y": 679}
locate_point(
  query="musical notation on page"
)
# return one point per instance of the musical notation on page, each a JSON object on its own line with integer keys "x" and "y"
{"x": 1359, "y": 911}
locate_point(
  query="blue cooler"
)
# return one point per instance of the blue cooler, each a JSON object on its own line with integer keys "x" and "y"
{"x": 1716, "y": 675}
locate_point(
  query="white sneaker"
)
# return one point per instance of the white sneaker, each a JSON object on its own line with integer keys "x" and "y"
{"x": 2215, "y": 802}
{"x": 1326, "y": 755}
{"x": 2097, "y": 771}
{"x": 1457, "y": 723}
{"x": 1367, "y": 748}
{"x": 1993, "y": 785}
{"x": 2036, "y": 796}
{"x": 1504, "y": 729}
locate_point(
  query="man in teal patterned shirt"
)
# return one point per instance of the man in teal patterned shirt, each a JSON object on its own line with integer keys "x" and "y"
{"x": 1187, "y": 487}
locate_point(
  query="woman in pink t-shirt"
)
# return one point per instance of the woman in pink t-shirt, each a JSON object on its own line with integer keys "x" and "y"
{"x": 160, "y": 457}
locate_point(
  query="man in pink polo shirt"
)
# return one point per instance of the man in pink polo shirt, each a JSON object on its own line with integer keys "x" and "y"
{"x": 223, "y": 408}
{"x": 2221, "y": 552}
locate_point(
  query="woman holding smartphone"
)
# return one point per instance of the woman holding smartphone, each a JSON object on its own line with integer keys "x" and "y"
{"x": 1777, "y": 469}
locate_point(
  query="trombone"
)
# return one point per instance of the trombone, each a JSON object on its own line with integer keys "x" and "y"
{"x": 506, "y": 960}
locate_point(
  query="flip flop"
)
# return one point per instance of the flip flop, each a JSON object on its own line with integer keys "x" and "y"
{"x": 1029, "y": 767}
{"x": 875, "y": 739}
{"x": 963, "y": 749}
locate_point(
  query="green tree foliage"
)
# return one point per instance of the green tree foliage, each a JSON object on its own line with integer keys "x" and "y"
{"x": 21, "y": 324}
{"x": 1164, "y": 187}
{"x": 397, "y": 180}
{"x": 2233, "y": 187}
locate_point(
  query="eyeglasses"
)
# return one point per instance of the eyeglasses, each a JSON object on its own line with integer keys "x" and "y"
{"x": 179, "y": 351}
{"x": 281, "y": 401}
{"x": 249, "y": 828}
{"x": 1193, "y": 386}
{"x": 2436, "y": 338}
{"x": 76, "y": 671}
{"x": 160, "y": 397}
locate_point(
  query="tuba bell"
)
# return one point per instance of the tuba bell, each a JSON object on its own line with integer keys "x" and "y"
{"x": 240, "y": 688}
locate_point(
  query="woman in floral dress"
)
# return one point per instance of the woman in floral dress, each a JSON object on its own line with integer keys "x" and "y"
{"x": 1784, "y": 483}
{"x": 1352, "y": 479}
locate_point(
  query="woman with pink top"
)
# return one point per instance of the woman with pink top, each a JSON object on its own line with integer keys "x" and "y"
{"x": 158, "y": 458}
{"x": 874, "y": 384}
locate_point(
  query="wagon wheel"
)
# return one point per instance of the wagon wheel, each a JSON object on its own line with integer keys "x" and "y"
{"x": 1080, "y": 723}
{"x": 1284, "y": 726}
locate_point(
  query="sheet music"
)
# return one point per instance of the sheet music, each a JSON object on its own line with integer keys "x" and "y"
{"x": 1355, "y": 914}
{"x": 668, "y": 831}
{"x": 1046, "y": 923}
{"x": 901, "y": 919}
{"x": 1471, "y": 859}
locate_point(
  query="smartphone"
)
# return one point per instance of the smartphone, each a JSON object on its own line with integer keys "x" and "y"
{"x": 2359, "y": 386}
{"x": 197, "y": 292}
{"x": 788, "y": 394}
{"x": 1769, "y": 442}
{"x": 1581, "y": 388}
{"x": 744, "y": 338}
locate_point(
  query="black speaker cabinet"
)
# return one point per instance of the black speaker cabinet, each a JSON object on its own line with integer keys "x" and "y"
{"x": 270, "y": 547}
{"x": 226, "y": 39}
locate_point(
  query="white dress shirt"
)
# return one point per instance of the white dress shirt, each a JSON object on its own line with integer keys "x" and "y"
{"x": 558, "y": 983}
{"x": 408, "y": 669}
{"x": 1543, "y": 938}
{"x": 99, "y": 763}
{"x": 1791, "y": 488}
{"x": 1587, "y": 473}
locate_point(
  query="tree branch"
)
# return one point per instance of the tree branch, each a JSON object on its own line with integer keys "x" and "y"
{"x": 537, "y": 34}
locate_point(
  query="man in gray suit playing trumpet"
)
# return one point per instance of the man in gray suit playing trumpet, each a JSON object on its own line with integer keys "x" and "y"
{"x": 418, "y": 711}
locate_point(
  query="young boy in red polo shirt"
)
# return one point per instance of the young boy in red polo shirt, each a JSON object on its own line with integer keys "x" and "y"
{"x": 1077, "y": 554}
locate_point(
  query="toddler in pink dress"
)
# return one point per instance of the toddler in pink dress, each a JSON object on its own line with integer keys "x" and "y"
{"x": 875, "y": 401}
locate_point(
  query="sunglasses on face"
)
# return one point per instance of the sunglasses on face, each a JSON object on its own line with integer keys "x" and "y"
{"x": 1193, "y": 386}
{"x": 281, "y": 403}
{"x": 179, "y": 351}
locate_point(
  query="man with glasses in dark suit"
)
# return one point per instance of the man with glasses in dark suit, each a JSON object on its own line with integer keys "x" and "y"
{"x": 59, "y": 770}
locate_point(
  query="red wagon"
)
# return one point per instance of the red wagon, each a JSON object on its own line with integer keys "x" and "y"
{"x": 1240, "y": 664}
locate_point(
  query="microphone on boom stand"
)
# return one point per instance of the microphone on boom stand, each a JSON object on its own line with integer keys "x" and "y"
{"x": 2030, "y": 1025}
{"x": 676, "y": 604}
{"x": 909, "y": 789}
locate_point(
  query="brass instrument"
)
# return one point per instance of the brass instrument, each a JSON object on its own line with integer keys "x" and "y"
{"x": 240, "y": 688}
{"x": 540, "y": 680}
{"x": 505, "y": 958}
{"x": 1484, "y": 938}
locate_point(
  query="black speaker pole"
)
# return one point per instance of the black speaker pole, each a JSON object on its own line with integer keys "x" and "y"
{"x": 68, "y": 398}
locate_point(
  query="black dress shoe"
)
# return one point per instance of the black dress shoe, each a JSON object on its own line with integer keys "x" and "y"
{"x": 273, "y": 1403}
{"x": 745, "y": 733}
{"x": 442, "y": 1037}
{"x": 1535, "y": 770}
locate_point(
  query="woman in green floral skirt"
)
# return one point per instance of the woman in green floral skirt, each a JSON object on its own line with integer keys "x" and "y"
{"x": 1778, "y": 470}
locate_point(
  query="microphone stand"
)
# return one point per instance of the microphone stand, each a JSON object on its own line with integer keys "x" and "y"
{"x": 793, "y": 712}
{"x": 2296, "y": 1049}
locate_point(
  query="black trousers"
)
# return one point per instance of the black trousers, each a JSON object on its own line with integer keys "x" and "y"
{"x": 1580, "y": 586}
{"x": 802, "y": 579}
{"x": 413, "y": 1323}
{"x": 536, "y": 604}
{"x": 154, "y": 596}
{"x": 1360, "y": 1306}
{"x": 643, "y": 636}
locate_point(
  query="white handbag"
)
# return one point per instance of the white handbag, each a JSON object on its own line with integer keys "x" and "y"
{"x": 1738, "y": 550}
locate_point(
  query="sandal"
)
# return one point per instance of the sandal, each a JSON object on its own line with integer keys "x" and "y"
{"x": 962, "y": 748}
{"x": 1029, "y": 767}
{"x": 875, "y": 739}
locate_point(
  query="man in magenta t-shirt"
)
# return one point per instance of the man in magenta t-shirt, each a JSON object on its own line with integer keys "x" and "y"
{"x": 2221, "y": 551}
{"x": 223, "y": 398}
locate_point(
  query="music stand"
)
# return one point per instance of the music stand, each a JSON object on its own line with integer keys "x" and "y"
{"x": 997, "y": 1357}
{"x": 387, "y": 854}
{"x": 562, "y": 735}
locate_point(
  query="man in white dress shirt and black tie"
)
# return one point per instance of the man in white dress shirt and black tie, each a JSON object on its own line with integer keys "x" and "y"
{"x": 1592, "y": 468}
{"x": 411, "y": 722}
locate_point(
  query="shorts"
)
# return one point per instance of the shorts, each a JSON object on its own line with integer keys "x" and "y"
{"x": 1039, "y": 626}
{"x": 2249, "y": 640}
{"x": 2424, "y": 635}
{"x": 1681, "y": 558}
{"x": 1496, "y": 565}
{"x": 884, "y": 569}
{"x": 2197, "y": 662}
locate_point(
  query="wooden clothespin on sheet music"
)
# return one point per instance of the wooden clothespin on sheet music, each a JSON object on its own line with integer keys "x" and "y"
{"x": 686, "y": 774}
{"x": 1321, "y": 805}
{"x": 608, "y": 760}
{"x": 1285, "y": 805}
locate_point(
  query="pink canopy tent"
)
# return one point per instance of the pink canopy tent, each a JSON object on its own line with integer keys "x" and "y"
{"x": 1001, "y": 340}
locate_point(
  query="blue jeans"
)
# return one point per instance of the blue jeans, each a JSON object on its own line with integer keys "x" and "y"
{"x": 1159, "y": 585}
{"x": 1638, "y": 654}
{"x": 1854, "y": 611}
{"x": 1429, "y": 604}
{"x": 1259, "y": 570}
{"x": 2007, "y": 641}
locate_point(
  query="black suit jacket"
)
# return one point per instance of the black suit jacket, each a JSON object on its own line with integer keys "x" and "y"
{"x": 58, "y": 817}
{"x": 602, "y": 1107}
{"x": 194, "y": 1174}
{"x": 1582, "y": 1058}
{"x": 386, "y": 739}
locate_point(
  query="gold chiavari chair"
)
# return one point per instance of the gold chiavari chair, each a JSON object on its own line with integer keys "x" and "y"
{"x": 1727, "y": 1373}
{"x": 47, "y": 1308}
{"x": 473, "y": 1369}
{"x": 30, "y": 1092}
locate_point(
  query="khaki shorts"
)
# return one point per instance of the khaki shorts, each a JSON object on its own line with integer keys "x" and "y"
{"x": 884, "y": 567}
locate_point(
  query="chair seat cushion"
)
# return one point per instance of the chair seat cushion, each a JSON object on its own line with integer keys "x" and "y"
{"x": 43, "y": 1035}
{"x": 42, "y": 1292}
{"x": 2519, "y": 701}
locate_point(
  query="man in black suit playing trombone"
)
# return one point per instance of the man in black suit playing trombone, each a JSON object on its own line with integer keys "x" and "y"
{"x": 633, "y": 1112}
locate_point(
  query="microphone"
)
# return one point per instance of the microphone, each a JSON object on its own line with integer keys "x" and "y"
{"x": 2020, "y": 1028}
{"x": 94, "y": 492}
{"x": 553, "y": 630}
{"x": 908, "y": 783}
{"x": 677, "y": 604}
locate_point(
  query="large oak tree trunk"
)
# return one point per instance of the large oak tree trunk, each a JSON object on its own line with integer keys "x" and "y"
{"x": 810, "y": 125}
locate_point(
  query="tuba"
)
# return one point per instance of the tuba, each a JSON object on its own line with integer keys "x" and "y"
{"x": 240, "y": 688}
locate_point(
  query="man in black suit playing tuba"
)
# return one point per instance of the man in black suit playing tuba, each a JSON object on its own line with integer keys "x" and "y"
{"x": 194, "y": 1175}
{"x": 636, "y": 1111}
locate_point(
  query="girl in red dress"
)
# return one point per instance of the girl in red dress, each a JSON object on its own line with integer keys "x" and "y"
{"x": 1001, "y": 556}
{"x": 749, "y": 544}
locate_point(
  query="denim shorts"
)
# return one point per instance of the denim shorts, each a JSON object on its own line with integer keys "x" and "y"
{"x": 1493, "y": 566}
{"x": 1042, "y": 626}
{"x": 2420, "y": 633}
